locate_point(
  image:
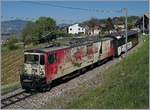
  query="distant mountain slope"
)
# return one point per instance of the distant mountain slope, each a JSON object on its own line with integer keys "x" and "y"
{"x": 12, "y": 26}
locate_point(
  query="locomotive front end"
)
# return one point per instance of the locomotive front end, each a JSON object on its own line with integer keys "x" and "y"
{"x": 33, "y": 73}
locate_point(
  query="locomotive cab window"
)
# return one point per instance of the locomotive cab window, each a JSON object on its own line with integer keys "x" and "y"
{"x": 31, "y": 59}
{"x": 42, "y": 61}
{"x": 51, "y": 58}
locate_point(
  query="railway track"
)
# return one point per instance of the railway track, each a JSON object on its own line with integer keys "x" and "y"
{"x": 15, "y": 98}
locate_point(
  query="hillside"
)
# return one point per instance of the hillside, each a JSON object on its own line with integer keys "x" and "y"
{"x": 12, "y": 26}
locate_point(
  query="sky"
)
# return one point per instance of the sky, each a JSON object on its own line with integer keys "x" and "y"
{"x": 58, "y": 11}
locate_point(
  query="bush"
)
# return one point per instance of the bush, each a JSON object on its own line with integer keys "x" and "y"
{"x": 11, "y": 44}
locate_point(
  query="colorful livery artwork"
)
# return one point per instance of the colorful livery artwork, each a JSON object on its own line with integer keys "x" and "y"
{"x": 42, "y": 66}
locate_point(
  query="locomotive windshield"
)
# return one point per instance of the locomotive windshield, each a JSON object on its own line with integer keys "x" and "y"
{"x": 31, "y": 59}
{"x": 34, "y": 59}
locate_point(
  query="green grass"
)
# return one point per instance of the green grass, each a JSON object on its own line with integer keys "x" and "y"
{"x": 126, "y": 85}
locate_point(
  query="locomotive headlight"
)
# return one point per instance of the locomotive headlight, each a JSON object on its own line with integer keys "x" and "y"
{"x": 41, "y": 73}
{"x": 25, "y": 70}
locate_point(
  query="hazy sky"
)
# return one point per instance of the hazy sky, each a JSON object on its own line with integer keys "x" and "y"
{"x": 31, "y": 11}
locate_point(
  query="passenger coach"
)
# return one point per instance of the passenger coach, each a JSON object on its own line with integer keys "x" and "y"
{"x": 120, "y": 41}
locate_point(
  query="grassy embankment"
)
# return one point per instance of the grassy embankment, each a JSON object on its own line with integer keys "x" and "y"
{"x": 126, "y": 85}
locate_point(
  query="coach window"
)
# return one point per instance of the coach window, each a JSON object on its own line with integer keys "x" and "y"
{"x": 51, "y": 58}
{"x": 42, "y": 61}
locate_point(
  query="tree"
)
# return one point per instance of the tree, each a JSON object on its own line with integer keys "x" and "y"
{"x": 28, "y": 32}
{"x": 130, "y": 25}
{"x": 46, "y": 23}
{"x": 34, "y": 31}
{"x": 109, "y": 24}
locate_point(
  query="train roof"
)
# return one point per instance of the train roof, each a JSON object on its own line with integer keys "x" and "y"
{"x": 46, "y": 49}
{"x": 75, "y": 44}
{"x": 118, "y": 35}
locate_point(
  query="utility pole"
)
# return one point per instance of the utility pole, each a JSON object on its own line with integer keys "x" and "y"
{"x": 125, "y": 10}
{"x": 143, "y": 25}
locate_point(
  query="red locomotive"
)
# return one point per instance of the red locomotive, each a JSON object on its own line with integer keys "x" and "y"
{"x": 42, "y": 66}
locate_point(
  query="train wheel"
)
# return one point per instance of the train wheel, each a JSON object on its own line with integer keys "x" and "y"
{"x": 83, "y": 69}
{"x": 112, "y": 57}
{"x": 49, "y": 87}
{"x": 46, "y": 88}
{"x": 91, "y": 66}
{"x": 98, "y": 63}
{"x": 27, "y": 90}
{"x": 39, "y": 89}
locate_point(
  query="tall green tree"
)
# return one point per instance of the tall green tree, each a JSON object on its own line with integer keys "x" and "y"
{"x": 28, "y": 31}
{"x": 46, "y": 23}
{"x": 109, "y": 24}
{"x": 33, "y": 31}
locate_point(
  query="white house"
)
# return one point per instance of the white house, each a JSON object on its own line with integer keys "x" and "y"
{"x": 94, "y": 31}
{"x": 76, "y": 29}
{"x": 120, "y": 26}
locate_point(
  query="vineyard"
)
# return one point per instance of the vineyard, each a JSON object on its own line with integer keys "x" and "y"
{"x": 11, "y": 65}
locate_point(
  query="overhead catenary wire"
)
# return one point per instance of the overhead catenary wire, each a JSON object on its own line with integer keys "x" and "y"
{"x": 61, "y": 6}
{"x": 73, "y": 8}
{"x": 66, "y": 7}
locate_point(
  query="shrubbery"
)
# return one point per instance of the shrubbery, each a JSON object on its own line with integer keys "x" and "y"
{"x": 11, "y": 44}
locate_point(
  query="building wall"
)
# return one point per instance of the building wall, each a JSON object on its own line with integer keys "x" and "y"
{"x": 93, "y": 32}
{"x": 119, "y": 26}
{"x": 75, "y": 29}
{"x": 139, "y": 23}
{"x": 96, "y": 32}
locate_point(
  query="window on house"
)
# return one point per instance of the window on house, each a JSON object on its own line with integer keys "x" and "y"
{"x": 70, "y": 29}
{"x": 79, "y": 29}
